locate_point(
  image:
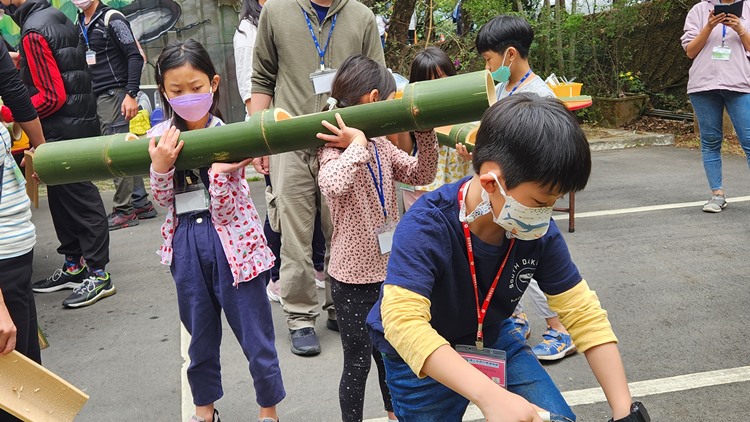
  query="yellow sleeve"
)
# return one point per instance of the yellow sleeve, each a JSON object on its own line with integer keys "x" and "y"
{"x": 406, "y": 322}
{"x": 582, "y": 315}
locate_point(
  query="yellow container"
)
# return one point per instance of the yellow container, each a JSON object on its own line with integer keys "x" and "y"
{"x": 572, "y": 89}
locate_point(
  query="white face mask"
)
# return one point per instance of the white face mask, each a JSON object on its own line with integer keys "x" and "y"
{"x": 518, "y": 220}
{"x": 82, "y": 4}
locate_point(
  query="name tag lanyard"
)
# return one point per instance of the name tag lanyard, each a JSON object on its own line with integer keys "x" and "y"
{"x": 378, "y": 181}
{"x": 481, "y": 311}
{"x": 321, "y": 52}
{"x": 723, "y": 34}
{"x": 520, "y": 82}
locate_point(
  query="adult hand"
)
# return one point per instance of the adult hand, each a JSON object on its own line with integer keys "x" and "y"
{"x": 343, "y": 136}
{"x": 164, "y": 154}
{"x": 230, "y": 167}
{"x": 735, "y": 23}
{"x": 261, "y": 165}
{"x": 463, "y": 152}
{"x": 7, "y": 330}
{"x": 15, "y": 57}
{"x": 714, "y": 20}
{"x": 129, "y": 107}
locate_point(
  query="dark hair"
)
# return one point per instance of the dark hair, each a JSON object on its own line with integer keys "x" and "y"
{"x": 177, "y": 54}
{"x": 250, "y": 11}
{"x": 357, "y": 76}
{"x": 534, "y": 139}
{"x": 505, "y": 31}
{"x": 427, "y": 62}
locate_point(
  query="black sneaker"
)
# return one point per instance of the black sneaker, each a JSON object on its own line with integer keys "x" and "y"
{"x": 332, "y": 324}
{"x": 59, "y": 280}
{"x": 91, "y": 290}
{"x": 304, "y": 342}
{"x": 118, "y": 220}
{"x": 146, "y": 212}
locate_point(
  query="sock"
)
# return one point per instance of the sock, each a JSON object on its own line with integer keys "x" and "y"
{"x": 73, "y": 263}
{"x": 99, "y": 273}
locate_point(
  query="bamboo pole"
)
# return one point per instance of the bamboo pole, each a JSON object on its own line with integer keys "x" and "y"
{"x": 465, "y": 133}
{"x": 424, "y": 105}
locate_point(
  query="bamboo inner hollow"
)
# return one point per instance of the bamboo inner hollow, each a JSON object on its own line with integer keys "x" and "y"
{"x": 280, "y": 115}
{"x": 491, "y": 95}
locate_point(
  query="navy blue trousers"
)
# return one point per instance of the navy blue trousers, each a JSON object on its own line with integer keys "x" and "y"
{"x": 204, "y": 287}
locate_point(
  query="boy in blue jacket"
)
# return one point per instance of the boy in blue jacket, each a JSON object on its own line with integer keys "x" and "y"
{"x": 463, "y": 257}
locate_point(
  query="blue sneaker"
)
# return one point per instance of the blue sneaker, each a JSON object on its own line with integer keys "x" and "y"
{"x": 555, "y": 346}
{"x": 521, "y": 324}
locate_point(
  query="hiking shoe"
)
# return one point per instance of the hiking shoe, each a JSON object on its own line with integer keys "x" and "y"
{"x": 304, "y": 342}
{"x": 273, "y": 291}
{"x": 59, "y": 280}
{"x": 332, "y": 324}
{"x": 196, "y": 418}
{"x": 92, "y": 289}
{"x": 118, "y": 220}
{"x": 521, "y": 324}
{"x": 320, "y": 279}
{"x": 715, "y": 204}
{"x": 144, "y": 213}
{"x": 555, "y": 346}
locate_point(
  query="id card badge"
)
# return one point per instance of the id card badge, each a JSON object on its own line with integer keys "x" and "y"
{"x": 385, "y": 237}
{"x": 322, "y": 80}
{"x": 721, "y": 53}
{"x": 191, "y": 199}
{"x": 90, "y": 57}
{"x": 490, "y": 362}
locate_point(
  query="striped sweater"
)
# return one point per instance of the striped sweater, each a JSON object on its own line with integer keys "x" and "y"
{"x": 17, "y": 232}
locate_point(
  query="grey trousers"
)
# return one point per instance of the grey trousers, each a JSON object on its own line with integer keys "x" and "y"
{"x": 129, "y": 191}
{"x": 296, "y": 195}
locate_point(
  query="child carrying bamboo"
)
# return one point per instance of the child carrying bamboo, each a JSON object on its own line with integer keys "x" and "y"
{"x": 356, "y": 177}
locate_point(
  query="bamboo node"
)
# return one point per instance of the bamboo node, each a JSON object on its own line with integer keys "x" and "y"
{"x": 415, "y": 111}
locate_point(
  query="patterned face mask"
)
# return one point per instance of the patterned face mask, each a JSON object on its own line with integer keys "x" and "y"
{"x": 518, "y": 220}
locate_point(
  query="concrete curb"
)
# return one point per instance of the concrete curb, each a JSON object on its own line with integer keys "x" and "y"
{"x": 608, "y": 139}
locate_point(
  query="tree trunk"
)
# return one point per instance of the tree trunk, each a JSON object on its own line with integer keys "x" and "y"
{"x": 559, "y": 16}
{"x": 546, "y": 9}
{"x": 572, "y": 37}
{"x": 519, "y": 6}
{"x": 423, "y": 105}
{"x": 398, "y": 28}
{"x": 428, "y": 37}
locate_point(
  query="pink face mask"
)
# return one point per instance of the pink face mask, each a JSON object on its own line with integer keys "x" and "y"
{"x": 82, "y": 4}
{"x": 192, "y": 107}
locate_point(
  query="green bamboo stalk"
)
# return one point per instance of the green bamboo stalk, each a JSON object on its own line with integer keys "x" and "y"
{"x": 464, "y": 133}
{"x": 424, "y": 105}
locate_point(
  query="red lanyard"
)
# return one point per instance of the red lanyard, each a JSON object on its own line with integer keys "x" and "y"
{"x": 481, "y": 311}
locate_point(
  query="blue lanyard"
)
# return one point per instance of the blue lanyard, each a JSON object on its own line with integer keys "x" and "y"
{"x": 520, "y": 82}
{"x": 85, "y": 30}
{"x": 321, "y": 53}
{"x": 378, "y": 183}
{"x": 723, "y": 33}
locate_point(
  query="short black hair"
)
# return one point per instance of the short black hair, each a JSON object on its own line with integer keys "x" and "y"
{"x": 505, "y": 31}
{"x": 534, "y": 139}
{"x": 427, "y": 62}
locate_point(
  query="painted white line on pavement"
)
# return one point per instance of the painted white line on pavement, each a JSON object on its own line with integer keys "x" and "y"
{"x": 640, "y": 388}
{"x": 187, "y": 399}
{"x": 565, "y": 216}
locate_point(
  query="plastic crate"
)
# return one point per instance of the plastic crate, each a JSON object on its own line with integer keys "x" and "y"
{"x": 572, "y": 89}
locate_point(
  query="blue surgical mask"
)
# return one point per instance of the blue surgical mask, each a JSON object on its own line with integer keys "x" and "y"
{"x": 502, "y": 74}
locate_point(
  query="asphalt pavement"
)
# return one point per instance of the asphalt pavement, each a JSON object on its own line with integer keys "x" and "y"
{"x": 676, "y": 283}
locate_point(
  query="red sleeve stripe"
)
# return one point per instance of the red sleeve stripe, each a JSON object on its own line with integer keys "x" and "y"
{"x": 45, "y": 75}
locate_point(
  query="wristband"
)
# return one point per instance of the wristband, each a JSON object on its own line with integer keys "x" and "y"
{"x": 638, "y": 413}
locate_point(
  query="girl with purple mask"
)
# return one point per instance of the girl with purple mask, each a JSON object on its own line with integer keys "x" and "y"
{"x": 211, "y": 224}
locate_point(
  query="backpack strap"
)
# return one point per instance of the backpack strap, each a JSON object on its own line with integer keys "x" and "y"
{"x": 108, "y": 15}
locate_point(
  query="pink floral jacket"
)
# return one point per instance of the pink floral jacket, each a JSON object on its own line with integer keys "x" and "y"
{"x": 232, "y": 212}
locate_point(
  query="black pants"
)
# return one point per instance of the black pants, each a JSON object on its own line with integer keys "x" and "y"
{"x": 15, "y": 283}
{"x": 353, "y": 302}
{"x": 80, "y": 222}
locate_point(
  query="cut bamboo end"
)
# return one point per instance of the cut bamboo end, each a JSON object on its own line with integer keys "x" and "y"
{"x": 471, "y": 137}
{"x": 131, "y": 137}
{"x": 281, "y": 114}
{"x": 491, "y": 94}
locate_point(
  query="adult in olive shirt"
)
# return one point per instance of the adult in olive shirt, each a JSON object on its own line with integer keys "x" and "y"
{"x": 286, "y": 54}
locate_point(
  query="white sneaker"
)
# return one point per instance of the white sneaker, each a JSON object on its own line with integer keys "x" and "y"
{"x": 320, "y": 279}
{"x": 273, "y": 291}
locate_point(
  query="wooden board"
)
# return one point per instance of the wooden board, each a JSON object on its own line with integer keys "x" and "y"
{"x": 33, "y": 393}
{"x": 32, "y": 186}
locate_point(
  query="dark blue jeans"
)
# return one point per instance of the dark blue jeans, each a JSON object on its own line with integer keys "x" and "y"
{"x": 204, "y": 288}
{"x": 426, "y": 400}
